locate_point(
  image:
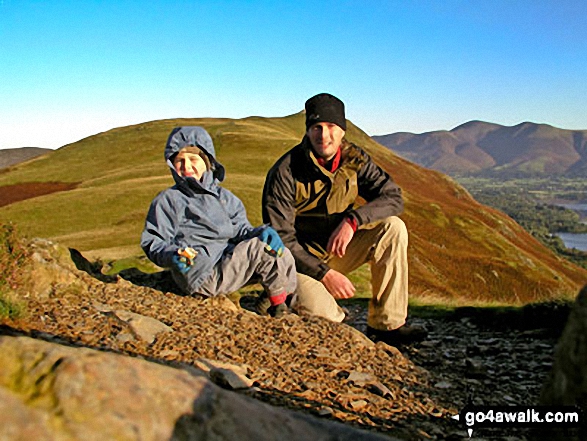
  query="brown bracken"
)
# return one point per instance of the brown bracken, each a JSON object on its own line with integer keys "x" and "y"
{"x": 10, "y": 194}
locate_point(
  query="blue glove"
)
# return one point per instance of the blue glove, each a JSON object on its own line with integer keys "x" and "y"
{"x": 271, "y": 238}
{"x": 181, "y": 264}
{"x": 184, "y": 259}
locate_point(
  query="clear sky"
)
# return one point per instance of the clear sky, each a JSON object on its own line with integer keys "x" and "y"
{"x": 71, "y": 69}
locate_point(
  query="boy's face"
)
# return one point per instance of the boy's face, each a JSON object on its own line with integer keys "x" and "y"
{"x": 189, "y": 165}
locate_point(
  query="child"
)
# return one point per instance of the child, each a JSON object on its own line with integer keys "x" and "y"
{"x": 200, "y": 230}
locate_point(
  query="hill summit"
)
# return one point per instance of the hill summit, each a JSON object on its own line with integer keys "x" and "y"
{"x": 477, "y": 147}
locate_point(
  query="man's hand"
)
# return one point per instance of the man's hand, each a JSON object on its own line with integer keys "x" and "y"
{"x": 338, "y": 285}
{"x": 340, "y": 238}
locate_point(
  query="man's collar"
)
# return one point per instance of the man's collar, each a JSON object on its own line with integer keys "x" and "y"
{"x": 332, "y": 164}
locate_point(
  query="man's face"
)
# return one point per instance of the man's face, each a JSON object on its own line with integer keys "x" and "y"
{"x": 326, "y": 138}
{"x": 189, "y": 165}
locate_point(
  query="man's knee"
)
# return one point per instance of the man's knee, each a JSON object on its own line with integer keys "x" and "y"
{"x": 392, "y": 232}
{"x": 393, "y": 238}
{"x": 313, "y": 299}
{"x": 395, "y": 226}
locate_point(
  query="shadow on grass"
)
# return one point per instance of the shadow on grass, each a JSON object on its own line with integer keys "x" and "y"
{"x": 549, "y": 317}
{"x": 161, "y": 280}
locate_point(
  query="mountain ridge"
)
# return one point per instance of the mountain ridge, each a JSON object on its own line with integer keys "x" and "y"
{"x": 480, "y": 148}
{"x": 15, "y": 156}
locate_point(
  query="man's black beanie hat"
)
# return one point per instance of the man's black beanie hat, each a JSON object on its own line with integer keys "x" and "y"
{"x": 325, "y": 108}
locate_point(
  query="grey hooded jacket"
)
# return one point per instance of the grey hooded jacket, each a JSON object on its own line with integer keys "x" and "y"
{"x": 198, "y": 214}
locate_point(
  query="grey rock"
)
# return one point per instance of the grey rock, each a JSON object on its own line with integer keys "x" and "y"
{"x": 51, "y": 392}
{"x": 475, "y": 368}
{"x": 325, "y": 411}
{"x": 230, "y": 379}
{"x": 358, "y": 404}
{"x": 567, "y": 382}
{"x": 145, "y": 328}
{"x": 361, "y": 378}
{"x": 443, "y": 385}
{"x": 380, "y": 389}
{"x": 206, "y": 365}
{"x": 21, "y": 422}
{"x": 221, "y": 302}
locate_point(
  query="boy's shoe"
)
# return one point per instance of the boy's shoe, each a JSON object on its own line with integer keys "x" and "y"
{"x": 403, "y": 335}
{"x": 262, "y": 306}
{"x": 277, "y": 311}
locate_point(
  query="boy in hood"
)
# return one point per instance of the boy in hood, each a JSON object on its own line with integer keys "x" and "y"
{"x": 200, "y": 230}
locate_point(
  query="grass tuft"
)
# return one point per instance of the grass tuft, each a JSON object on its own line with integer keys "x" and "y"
{"x": 13, "y": 255}
{"x": 9, "y": 308}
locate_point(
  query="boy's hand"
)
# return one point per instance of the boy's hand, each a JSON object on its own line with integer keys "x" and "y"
{"x": 271, "y": 238}
{"x": 184, "y": 259}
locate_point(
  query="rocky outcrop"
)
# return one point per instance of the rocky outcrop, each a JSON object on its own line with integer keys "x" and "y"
{"x": 567, "y": 383}
{"x": 306, "y": 364}
{"x": 55, "y": 392}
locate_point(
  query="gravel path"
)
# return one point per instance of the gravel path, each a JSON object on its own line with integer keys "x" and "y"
{"x": 478, "y": 358}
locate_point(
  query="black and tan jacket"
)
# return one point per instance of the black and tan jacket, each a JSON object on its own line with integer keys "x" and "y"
{"x": 305, "y": 202}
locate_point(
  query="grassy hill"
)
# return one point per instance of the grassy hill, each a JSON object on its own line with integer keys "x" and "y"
{"x": 477, "y": 147}
{"x": 459, "y": 250}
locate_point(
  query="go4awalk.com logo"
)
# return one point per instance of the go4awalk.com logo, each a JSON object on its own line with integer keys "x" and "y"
{"x": 476, "y": 417}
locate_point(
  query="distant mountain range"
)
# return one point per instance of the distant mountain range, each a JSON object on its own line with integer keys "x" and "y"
{"x": 10, "y": 157}
{"x": 487, "y": 149}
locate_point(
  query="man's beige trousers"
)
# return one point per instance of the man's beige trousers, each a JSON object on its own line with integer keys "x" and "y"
{"x": 384, "y": 246}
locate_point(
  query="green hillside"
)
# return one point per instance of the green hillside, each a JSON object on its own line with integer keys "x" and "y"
{"x": 120, "y": 171}
{"x": 459, "y": 249}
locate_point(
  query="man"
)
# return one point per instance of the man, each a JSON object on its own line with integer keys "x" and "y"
{"x": 200, "y": 230}
{"x": 310, "y": 199}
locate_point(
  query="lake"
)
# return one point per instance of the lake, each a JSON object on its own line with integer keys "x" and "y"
{"x": 580, "y": 208}
{"x": 573, "y": 240}
{"x": 576, "y": 207}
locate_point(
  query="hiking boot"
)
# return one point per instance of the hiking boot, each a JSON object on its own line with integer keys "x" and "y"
{"x": 403, "y": 335}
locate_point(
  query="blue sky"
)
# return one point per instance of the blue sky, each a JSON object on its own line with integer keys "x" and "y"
{"x": 70, "y": 69}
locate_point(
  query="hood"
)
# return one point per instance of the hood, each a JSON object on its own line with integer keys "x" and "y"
{"x": 195, "y": 136}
